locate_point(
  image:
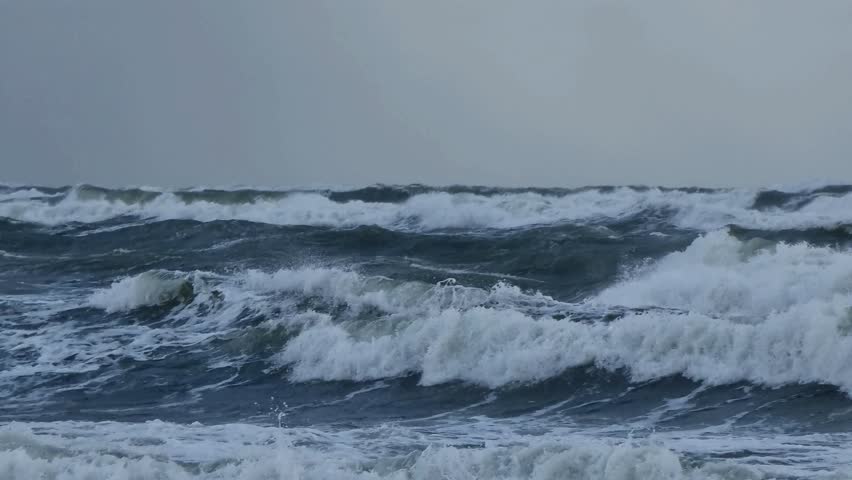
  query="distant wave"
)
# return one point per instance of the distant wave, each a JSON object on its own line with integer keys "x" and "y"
{"x": 420, "y": 208}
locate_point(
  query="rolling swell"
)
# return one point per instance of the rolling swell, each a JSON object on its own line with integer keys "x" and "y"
{"x": 721, "y": 311}
{"x": 733, "y": 329}
{"x": 421, "y": 208}
{"x": 415, "y": 327}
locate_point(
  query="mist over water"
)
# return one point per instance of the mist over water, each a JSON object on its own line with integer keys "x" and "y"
{"x": 416, "y": 332}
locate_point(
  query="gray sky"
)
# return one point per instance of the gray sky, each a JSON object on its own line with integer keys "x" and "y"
{"x": 163, "y": 92}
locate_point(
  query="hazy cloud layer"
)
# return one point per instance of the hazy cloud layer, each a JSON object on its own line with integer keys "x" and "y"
{"x": 486, "y": 92}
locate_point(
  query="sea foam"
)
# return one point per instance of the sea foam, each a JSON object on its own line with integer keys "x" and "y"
{"x": 163, "y": 451}
{"x": 437, "y": 210}
{"x": 146, "y": 289}
{"x": 771, "y": 315}
{"x": 720, "y": 311}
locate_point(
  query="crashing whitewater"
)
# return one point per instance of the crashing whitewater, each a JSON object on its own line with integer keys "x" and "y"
{"x": 414, "y": 332}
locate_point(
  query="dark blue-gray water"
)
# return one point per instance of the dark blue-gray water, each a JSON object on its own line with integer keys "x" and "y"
{"x": 416, "y": 332}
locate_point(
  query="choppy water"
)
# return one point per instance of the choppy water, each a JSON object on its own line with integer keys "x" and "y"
{"x": 418, "y": 332}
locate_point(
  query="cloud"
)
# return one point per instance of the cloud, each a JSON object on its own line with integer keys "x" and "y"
{"x": 545, "y": 92}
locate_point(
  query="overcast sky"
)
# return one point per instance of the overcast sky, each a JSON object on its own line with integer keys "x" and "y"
{"x": 191, "y": 92}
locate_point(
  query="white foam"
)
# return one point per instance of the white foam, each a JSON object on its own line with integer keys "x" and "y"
{"x": 162, "y": 451}
{"x": 775, "y": 316}
{"x": 439, "y": 210}
{"x": 146, "y": 289}
{"x": 720, "y": 275}
{"x": 26, "y": 194}
{"x": 356, "y": 290}
{"x": 757, "y": 312}
{"x": 499, "y": 347}
{"x": 72, "y": 346}
{"x": 408, "y": 299}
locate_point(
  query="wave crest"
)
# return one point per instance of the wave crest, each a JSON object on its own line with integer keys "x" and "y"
{"x": 720, "y": 311}
{"x": 146, "y": 289}
{"x": 428, "y": 209}
{"x": 721, "y": 275}
{"x": 789, "y": 325}
{"x": 229, "y": 452}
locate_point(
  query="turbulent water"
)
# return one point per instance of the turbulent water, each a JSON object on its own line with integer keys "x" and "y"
{"x": 425, "y": 333}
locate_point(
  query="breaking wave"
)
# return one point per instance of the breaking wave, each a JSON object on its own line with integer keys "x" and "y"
{"x": 721, "y": 311}
{"x": 426, "y": 208}
{"x": 170, "y": 452}
{"x": 767, "y": 314}
{"x": 146, "y": 289}
{"x": 459, "y": 332}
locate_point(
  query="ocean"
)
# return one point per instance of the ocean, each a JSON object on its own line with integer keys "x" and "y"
{"x": 415, "y": 332}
